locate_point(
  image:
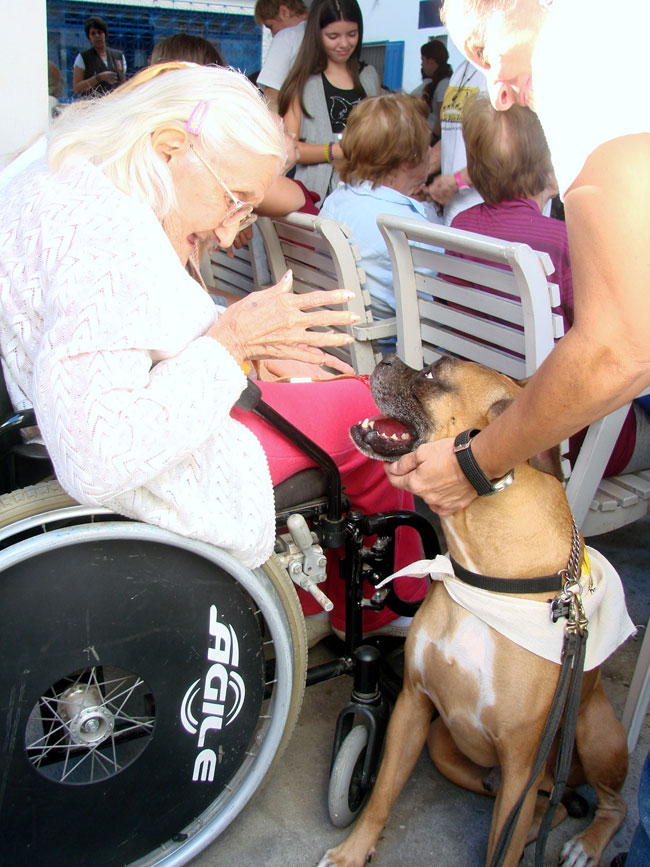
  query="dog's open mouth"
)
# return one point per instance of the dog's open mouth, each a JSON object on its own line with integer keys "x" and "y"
{"x": 383, "y": 438}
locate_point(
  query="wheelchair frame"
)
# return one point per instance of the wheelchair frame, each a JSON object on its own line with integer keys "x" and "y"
{"x": 43, "y": 541}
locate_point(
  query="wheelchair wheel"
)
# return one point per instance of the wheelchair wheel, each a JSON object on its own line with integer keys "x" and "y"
{"x": 43, "y": 497}
{"x": 133, "y": 685}
{"x": 346, "y": 796}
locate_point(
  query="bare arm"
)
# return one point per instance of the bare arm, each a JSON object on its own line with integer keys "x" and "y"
{"x": 443, "y": 188}
{"x": 436, "y": 127}
{"x": 603, "y": 361}
{"x": 282, "y": 197}
{"x": 308, "y": 154}
{"x": 435, "y": 158}
{"x": 271, "y": 97}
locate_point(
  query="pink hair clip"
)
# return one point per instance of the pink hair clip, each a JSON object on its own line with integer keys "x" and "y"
{"x": 197, "y": 118}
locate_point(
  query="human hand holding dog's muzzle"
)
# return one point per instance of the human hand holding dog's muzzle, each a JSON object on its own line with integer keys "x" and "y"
{"x": 432, "y": 472}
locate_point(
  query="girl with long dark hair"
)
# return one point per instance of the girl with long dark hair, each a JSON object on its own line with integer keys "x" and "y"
{"x": 326, "y": 81}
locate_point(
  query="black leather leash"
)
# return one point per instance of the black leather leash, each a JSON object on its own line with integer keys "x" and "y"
{"x": 566, "y": 699}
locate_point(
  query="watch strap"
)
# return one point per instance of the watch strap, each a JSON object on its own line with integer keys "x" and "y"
{"x": 474, "y": 474}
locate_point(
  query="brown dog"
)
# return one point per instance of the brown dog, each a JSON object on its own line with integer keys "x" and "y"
{"x": 493, "y": 696}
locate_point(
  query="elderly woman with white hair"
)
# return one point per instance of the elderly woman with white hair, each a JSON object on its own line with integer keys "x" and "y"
{"x": 131, "y": 368}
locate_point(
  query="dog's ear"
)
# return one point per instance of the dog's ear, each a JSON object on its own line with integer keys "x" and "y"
{"x": 548, "y": 461}
{"x": 498, "y": 407}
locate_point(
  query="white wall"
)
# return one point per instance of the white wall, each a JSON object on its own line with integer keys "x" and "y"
{"x": 395, "y": 21}
{"x": 23, "y": 75}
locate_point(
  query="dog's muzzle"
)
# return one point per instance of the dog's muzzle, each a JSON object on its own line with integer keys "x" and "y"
{"x": 382, "y": 438}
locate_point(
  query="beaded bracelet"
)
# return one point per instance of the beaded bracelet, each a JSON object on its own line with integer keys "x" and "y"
{"x": 329, "y": 151}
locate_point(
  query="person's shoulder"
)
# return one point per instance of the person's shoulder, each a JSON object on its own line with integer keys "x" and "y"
{"x": 333, "y": 200}
{"x": 289, "y": 35}
{"x": 468, "y": 217}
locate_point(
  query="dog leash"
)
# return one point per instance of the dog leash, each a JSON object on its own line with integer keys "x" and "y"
{"x": 566, "y": 699}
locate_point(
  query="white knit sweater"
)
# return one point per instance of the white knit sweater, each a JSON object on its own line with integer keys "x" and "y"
{"x": 101, "y": 330}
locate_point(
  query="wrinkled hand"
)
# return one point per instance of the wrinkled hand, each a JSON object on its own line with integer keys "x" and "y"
{"x": 108, "y": 76}
{"x": 274, "y": 323}
{"x": 287, "y": 369}
{"x": 432, "y": 472}
{"x": 443, "y": 188}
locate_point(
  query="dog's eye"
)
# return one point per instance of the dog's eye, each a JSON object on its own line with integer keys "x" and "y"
{"x": 429, "y": 374}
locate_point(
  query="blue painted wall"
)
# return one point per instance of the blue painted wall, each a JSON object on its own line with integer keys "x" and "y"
{"x": 135, "y": 30}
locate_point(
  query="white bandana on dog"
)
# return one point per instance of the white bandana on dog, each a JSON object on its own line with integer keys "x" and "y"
{"x": 528, "y": 623}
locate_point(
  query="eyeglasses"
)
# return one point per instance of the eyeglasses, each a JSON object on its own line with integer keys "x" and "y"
{"x": 238, "y": 213}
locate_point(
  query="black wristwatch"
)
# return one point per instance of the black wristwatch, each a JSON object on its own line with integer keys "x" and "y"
{"x": 475, "y": 475}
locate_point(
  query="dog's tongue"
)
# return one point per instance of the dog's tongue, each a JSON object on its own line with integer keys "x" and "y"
{"x": 387, "y": 427}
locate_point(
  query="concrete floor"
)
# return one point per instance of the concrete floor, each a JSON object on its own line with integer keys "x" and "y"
{"x": 433, "y": 822}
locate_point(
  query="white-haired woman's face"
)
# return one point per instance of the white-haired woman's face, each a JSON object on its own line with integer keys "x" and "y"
{"x": 501, "y": 43}
{"x": 203, "y": 201}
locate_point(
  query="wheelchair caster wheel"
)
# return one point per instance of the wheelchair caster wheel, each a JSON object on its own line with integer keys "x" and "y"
{"x": 346, "y": 796}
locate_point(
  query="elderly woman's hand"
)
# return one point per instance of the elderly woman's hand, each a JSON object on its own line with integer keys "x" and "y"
{"x": 274, "y": 323}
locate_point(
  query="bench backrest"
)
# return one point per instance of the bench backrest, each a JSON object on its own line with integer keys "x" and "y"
{"x": 235, "y": 274}
{"x": 498, "y": 313}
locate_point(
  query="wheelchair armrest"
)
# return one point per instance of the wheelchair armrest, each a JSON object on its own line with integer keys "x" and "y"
{"x": 250, "y": 396}
{"x": 11, "y": 425}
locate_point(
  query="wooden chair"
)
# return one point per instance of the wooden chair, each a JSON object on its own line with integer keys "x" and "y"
{"x": 436, "y": 316}
{"x": 321, "y": 256}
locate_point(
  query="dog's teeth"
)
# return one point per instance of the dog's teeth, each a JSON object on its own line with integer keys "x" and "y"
{"x": 405, "y": 436}
{"x": 364, "y": 424}
{"x": 393, "y": 436}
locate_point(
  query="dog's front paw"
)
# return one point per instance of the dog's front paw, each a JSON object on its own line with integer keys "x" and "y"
{"x": 573, "y": 855}
{"x": 339, "y": 857}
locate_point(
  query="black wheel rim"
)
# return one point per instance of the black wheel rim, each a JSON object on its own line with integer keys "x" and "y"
{"x": 139, "y": 610}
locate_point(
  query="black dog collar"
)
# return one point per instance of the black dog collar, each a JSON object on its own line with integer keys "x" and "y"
{"x": 541, "y": 584}
{"x": 475, "y": 475}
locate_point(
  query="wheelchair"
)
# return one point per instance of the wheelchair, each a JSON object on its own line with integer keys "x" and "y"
{"x": 150, "y": 682}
